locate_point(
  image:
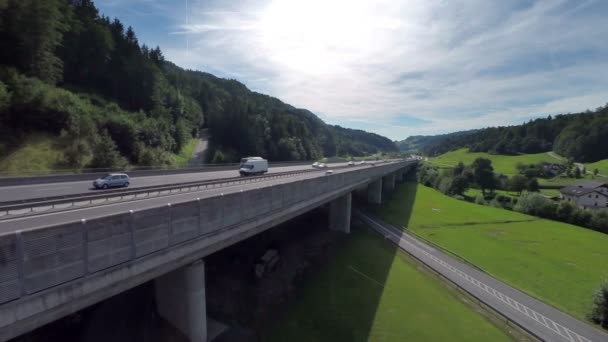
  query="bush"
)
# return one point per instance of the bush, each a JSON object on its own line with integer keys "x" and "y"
{"x": 480, "y": 200}
{"x": 218, "y": 157}
{"x": 537, "y": 205}
{"x": 565, "y": 211}
{"x": 5, "y": 97}
{"x": 444, "y": 185}
{"x": 599, "y": 310}
{"x": 496, "y": 203}
{"x": 106, "y": 155}
{"x": 599, "y": 220}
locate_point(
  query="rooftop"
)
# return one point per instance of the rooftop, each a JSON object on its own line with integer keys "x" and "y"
{"x": 590, "y": 184}
{"x": 575, "y": 190}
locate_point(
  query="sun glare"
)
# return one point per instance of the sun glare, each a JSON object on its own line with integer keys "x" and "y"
{"x": 316, "y": 36}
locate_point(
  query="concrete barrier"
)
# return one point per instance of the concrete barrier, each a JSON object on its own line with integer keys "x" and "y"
{"x": 277, "y": 197}
{"x": 151, "y": 230}
{"x": 212, "y": 214}
{"x": 109, "y": 241}
{"x": 256, "y": 202}
{"x": 289, "y": 193}
{"x": 74, "y": 176}
{"x": 233, "y": 209}
{"x": 52, "y": 256}
{"x": 9, "y": 272}
{"x": 39, "y": 259}
{"x": 185, "y": 220}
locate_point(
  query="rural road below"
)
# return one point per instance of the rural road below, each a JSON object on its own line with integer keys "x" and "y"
{"x": 541, "y": 320}
{"x": 198, "y": 155}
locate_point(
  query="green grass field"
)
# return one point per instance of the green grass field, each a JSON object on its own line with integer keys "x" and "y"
{"x": 501, "y": 163}
{"x": 185, "y": 155}
{"x": 601, "y": 165}
{"x": 370, "y": 292}
{"x": 472, "y": 193}
{"x": 506, "y": 164}
{"x": 558, "y": 263}
{"x": 39, "y": 153}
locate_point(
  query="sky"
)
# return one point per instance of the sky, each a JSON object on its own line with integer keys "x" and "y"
{"x": 393, "y": 67}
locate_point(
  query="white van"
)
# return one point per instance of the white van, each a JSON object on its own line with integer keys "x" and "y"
{"x": 253, "y": 166}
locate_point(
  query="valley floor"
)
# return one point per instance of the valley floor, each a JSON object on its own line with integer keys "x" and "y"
{"x": 558, "y": 263}
{"x": 373, "y": 292}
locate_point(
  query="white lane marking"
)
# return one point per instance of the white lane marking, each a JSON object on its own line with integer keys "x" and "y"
{"x": 143, "y": 199}
{"x": 548, "y": 323}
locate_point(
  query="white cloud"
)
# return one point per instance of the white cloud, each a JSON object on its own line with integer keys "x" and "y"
{"x": 457, "y": 64}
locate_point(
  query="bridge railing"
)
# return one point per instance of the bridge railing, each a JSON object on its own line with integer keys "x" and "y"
{"x": 37, "y": 259}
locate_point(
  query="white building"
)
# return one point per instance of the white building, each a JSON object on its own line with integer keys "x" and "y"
{"x": 587, "y": 195}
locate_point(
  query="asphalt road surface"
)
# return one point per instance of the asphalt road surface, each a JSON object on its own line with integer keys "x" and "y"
{"x": 22, "y": 192}
{"x": 545, "y": 322}
{"x": 45, "y": 219}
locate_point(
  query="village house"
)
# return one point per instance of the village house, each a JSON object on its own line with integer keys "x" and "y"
{"x": 587, "y": 195}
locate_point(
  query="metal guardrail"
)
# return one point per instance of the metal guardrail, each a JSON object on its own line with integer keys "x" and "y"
{"x": 29, "y": 207}
{"x": 82, "y": 175}
{"x": 34, "y": 206}
{"x": 90, "y": 171}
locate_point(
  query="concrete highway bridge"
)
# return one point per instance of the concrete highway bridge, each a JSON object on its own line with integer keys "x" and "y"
{"x": 76, "y": 247}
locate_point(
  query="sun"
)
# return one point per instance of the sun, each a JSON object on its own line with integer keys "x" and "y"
{"x": 315, "y": 36}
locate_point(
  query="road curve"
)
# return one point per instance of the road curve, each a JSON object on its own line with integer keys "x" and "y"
{"x": 543, "y": 321}
{"x": 23, "y": 192}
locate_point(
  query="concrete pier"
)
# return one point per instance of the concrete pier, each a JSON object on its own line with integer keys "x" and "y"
{"x": 399, "y": 176}
{"x": 388, "y": 183}
{"x": 180, "y": 299}
{"x": 374, "y": 192}
{"x": 340, "y": 213}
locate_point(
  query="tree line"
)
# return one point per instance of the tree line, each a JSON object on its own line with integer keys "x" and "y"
{"x": 67, "y": 70}
{"x": 580, "y": 137}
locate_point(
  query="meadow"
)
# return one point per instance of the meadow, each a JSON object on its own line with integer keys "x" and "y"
{"x": 560, "y": 264}
{"x": 372, "y": 292}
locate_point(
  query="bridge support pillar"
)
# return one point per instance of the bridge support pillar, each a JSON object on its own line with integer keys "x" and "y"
{"x": 339, "y": 213}
{"x": 399, "y": 175}
{"x": 388, "y": 183}
{"x": 374, "y": 192}
{"x": 180, "y": 299}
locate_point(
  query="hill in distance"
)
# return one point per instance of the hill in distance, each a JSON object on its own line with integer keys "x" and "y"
{"x": 579, "y": 137}
{"x": 418, "y": 143}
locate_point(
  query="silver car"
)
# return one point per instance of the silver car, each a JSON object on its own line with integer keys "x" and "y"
{"x": 112, "y": 180}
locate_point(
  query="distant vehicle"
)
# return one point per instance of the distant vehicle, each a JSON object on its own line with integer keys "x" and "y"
{"x": 253, "y": 166}
{"x": 329, "y": 172}
{"x": 351, "y": 163}
{"x": 322, "y": 166}
{"x": 315, "y": 164}
{"x": 112, "y": 180}
{"x": 362, "y": 162}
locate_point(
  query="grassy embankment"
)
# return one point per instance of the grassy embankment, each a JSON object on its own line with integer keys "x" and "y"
{"x": 558, "y": 263}
{"x": 371, "y": 292}
{"x": 507, "y": 165}
{"x": 43, "y": 153}
{"x": 39, "y": 153}
{"x": 601, "y": 166}
{"x": 185, "y": 155}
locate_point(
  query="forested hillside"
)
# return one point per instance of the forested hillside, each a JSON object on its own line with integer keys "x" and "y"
{"x": 418, "y": 143}
{"x": 355, "y": 142}
{"x": 69, "y": 71}
{"x": 582, "y": 137}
